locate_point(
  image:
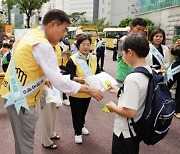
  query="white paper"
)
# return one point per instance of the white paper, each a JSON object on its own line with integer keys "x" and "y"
{"x": 101, "y": 81}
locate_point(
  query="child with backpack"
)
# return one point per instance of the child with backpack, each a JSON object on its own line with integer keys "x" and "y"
{"x": 134, "y": 107}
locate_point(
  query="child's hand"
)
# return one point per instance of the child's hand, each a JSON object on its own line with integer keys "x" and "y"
{"x": 113, "y": 89}
{"x": 111, "y": 106}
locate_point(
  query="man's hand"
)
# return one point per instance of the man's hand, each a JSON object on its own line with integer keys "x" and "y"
{"x": 96, "y": 93}
{"x": 48, "y": 83}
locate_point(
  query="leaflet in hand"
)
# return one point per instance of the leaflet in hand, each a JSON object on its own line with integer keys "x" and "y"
{"x": 101, "y": 81}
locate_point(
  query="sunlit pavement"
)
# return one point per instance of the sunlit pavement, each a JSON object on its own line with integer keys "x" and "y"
{"x": 100, "y": 126}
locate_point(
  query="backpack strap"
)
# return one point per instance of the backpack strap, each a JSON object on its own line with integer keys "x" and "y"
{"x": 142, "y": 70}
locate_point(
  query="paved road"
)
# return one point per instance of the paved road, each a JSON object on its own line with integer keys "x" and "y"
{"x": 99, "y": 124}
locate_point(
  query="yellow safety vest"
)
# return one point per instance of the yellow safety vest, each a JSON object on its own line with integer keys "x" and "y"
{"x": 26, "y": 67}
{"x": 80, "y": 73}
{"x": 61, "y": 61}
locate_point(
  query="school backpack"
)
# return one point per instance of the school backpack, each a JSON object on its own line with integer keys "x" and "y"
{"x": 156, "y": 119}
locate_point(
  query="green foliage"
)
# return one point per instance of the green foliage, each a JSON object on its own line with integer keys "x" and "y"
{"x": 76, "y": 16}
{"x": 26, "y": 6}
{"x": 78, "y": 19}
{"x": 125, "y": 22}
{"x": 2, "y": 22}
{"x": 175, "y": 38}
{"x": 100, "y": 23}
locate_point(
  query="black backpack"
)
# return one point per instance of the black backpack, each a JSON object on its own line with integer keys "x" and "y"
{"x": 158, "y": 113}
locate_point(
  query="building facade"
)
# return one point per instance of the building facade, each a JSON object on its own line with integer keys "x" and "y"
{"x": 164, "y": 13}
{"x": 116, "y": 10}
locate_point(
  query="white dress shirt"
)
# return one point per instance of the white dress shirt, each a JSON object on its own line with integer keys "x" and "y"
{"x": 44, "y": 55}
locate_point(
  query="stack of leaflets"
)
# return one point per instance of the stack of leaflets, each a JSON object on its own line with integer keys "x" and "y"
{"x": 101, "y": 81}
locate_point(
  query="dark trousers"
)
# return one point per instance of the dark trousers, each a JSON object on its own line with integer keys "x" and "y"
{"x": 100, "y": 55}
{"x": 5, "y": 67}
{"x": 176, "y": 77}
{"x": 79, "y": 108}
{"x": 115, "y": 54}
{"x": 121, "y": 145}
{"x": 64, "y": 96}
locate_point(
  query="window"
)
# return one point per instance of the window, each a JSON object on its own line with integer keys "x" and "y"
{"x": 102, "y": 10}
{"x": 177, "y": 31}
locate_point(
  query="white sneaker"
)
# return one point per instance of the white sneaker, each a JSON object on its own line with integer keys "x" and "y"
{"x": 85, "y": 131}
{"x": 66, "y": 102}
{"x": 78, "y": 139}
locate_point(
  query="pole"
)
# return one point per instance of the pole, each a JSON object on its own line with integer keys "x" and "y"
{"x": 9, "y": 16}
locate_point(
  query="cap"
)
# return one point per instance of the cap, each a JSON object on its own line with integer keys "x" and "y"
{"x": 100, "y": 34}
{"x": 79, "y": 32}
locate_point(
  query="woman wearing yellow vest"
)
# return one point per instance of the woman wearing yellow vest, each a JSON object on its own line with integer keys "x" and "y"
{"x": 81, "y": 65}
{"x": 33, "y": 57}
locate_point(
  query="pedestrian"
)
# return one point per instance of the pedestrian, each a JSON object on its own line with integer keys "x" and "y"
{"x": 6, "y": 40}
{"x": 47, "y": 111}
{"x": 5, "y": 48}
{"x": 33, "y": 58}
{"x": 62, "y": 48}
{"x": 115, "y": 44}
{"x": 138, "y": 26}
{"x": 79, "y": 33}
{"x": 47, "y": 118}
{"x": 159, "y": 55}
{"x": 176, "y": 76}
{"x": 100, "y": 50}
{"x": 6, "y": 57}
{"x": 81, "y": 65}
{"x": 132, "y": 99}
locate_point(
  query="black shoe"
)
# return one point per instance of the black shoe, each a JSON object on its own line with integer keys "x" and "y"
{"x": 102, "y": 70}
{"x": 52, "y": 146}
{"x": 57, "y": 137}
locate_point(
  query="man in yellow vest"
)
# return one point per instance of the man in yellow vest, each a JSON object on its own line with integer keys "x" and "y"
{"x": 33, "y": 57}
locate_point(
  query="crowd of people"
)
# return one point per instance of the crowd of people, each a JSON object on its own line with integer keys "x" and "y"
{"x": 44, "y": 55}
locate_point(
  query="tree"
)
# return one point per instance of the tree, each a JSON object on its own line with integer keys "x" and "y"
{"x": 74, "y": 17}
{"x": 26, "y": 6}
{"x": 100, "y": 23}
{"x": 125, "y": 22}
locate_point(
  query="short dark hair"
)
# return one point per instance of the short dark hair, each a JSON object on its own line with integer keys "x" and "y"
{"x": 81, "y": 39}
{"x": 56, "y": 14}
{"x": 157, "y": 31}
{"x": 139, "y": 21}
{"x": 5, "y": 45}
{"x": 138, "y": 43}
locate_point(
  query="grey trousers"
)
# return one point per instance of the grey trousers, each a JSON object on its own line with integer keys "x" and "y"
{"x": 23, "y": 126}
{"x": 47, "y": 121}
